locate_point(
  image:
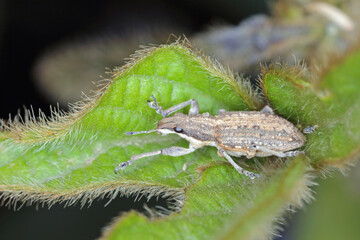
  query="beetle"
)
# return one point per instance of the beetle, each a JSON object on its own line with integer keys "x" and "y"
{"x": 235, "y": 133}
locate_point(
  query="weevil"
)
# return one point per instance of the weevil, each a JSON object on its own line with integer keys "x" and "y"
{"x": 235, "y": 133}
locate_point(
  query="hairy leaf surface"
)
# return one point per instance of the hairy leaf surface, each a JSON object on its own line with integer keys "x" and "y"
{"x": 73, "y": 156}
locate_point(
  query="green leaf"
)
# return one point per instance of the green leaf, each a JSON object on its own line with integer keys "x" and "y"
{"x": 336, "y": 212}
{"x": 224, "y": 205}
{"x": 336, "y": 142}
{"x": 73, "y": 156}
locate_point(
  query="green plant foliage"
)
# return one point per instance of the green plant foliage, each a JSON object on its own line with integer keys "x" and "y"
{"x": 72, "y": 157}
{"x": 224, "y": 205}
{"x": 39, "y": 161}
{"x": 336, "y": 212}
{"x": 337, "y": 139}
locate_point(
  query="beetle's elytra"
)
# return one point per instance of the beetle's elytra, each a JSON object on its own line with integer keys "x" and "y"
{"x": 243, "y": 133}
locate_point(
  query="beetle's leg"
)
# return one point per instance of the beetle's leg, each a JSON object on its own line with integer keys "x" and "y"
{"x": 194, "y": 109}
{"x": 240, "y": 170}
{"x": 171, "y": 151}
{"x": 155, "y": 106}
{"x": 136, "y": 157}
{"x": 310, "y": 129}
{"x": 251, "y": 152}
{"x": 267, "y": 109}
{"x": 278, "y": 153}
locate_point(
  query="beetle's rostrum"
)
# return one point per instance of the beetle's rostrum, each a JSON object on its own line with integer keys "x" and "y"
{"x": 236, "y": 133}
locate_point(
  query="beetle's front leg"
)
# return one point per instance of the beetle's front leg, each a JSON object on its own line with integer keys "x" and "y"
{"x": 240, "y": 170}
{"x": 194, "y": 109}
{"x": 171, "y": 151}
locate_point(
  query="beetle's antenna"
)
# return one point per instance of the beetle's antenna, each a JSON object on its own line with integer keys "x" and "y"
{"x": 139, "y": 132}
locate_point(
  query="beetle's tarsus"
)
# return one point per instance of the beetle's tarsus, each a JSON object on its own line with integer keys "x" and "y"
{"x": 139, "y": 132}
{"x": 153, "y": 104}
{"x": 251, "y": 174}
{"x": 237, "y": 167}
{"x": 121, "y": 166}
{"x": 310, "y": 129}
{"x": 194, "y": 109}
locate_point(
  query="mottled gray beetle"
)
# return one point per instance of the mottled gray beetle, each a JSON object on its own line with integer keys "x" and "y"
{"x": 243, "y": 133}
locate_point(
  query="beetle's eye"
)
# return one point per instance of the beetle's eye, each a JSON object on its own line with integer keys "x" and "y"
{"x": 178, "y": 129}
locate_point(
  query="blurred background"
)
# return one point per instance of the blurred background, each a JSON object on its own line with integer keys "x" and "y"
{"x": 52, "y": 51}
{"x": 71, "y": 34}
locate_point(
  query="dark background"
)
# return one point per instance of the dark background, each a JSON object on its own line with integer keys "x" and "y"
{"x": 28, "y": 28}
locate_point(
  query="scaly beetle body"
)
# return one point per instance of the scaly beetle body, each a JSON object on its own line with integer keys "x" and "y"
{"x": 243, "y": 133}
{"x": 236, "y": 132}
